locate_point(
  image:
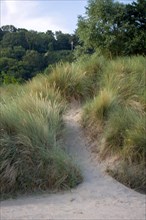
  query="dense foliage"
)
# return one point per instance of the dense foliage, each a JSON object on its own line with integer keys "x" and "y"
{"x": 115, "y": 28}
{"x": 25, "y": 53}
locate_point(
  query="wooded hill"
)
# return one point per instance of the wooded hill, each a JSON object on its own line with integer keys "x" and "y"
{"x": 25, "y": 53}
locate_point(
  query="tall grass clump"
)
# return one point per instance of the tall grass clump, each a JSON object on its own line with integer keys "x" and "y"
{"x": 78, "y": 80}
{"x": 124, "y": 132}
{"x": 8, "y": 92}
{"x": 118, "y": 114}
{"x": 32, "y": 156}
{"x": 70, "y": 83}
{"x": 92, "y": 64}
{"x": 125, "y": 77}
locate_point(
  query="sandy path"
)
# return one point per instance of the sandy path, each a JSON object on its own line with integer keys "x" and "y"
{"x": 98, "y": 197}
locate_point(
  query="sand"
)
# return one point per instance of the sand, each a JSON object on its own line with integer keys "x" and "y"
{"x": 99, "y": 196}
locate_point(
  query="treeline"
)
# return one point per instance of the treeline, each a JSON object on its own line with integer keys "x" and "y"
{"x": 25, "y": 53}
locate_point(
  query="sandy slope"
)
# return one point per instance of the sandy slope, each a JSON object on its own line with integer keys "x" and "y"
{"x": 98, "y": 197}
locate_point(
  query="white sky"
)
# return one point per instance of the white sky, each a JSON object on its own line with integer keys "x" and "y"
{"x": 43, "y": 15}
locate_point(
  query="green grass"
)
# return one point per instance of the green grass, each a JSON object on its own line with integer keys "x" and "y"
{"x": 132, "y": 175}
{"x": 71, "y": 84}
{"x": 31, "y": 126}
{"x": 78, "y": 80}
{"x": 100, "y": 106}
{"x": 31, "y": 129}
{"x": 125, "y": 77}
{"x": 124, "y": 132}
{"x": 8, "y": 92}
{"x": 117, "y": 116}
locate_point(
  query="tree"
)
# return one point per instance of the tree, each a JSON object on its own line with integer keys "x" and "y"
{"x": 114, "y": 27}
{"x": 9, "y": 70}
{"x": 25, "y": 53}
{"x": 135, "y": 24}
{"x": 11, "y": 39}
{"x": 63, "y": 41}
{"x": 33, "y": 63}
{"x": 50, "y": 40}
{"x": 17, "y": 52}
{"x": 1, "y": 34}
{"x": 8, "y": 28}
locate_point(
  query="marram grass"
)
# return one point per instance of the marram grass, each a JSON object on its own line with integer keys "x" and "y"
{"x": 31, "y": 125}
{"x": 117, "y": 117}
{"x": 32, "y": 156}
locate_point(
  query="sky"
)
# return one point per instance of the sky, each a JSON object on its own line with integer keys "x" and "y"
{"x": 43, "y": 15}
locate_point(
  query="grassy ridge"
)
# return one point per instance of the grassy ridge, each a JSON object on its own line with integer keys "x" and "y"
{"x": 31, "y": 126}
{"x": 117, "y": 114}
{"x": 30, "y": 149}
{"x": 114, "y": 113}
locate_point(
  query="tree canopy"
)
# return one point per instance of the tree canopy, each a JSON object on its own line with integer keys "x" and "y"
{"x": 25, "y": 53}
{"x": 114, "y": 27}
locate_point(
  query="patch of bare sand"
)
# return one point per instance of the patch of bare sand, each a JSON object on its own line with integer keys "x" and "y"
{"x": 98, "y": 197}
